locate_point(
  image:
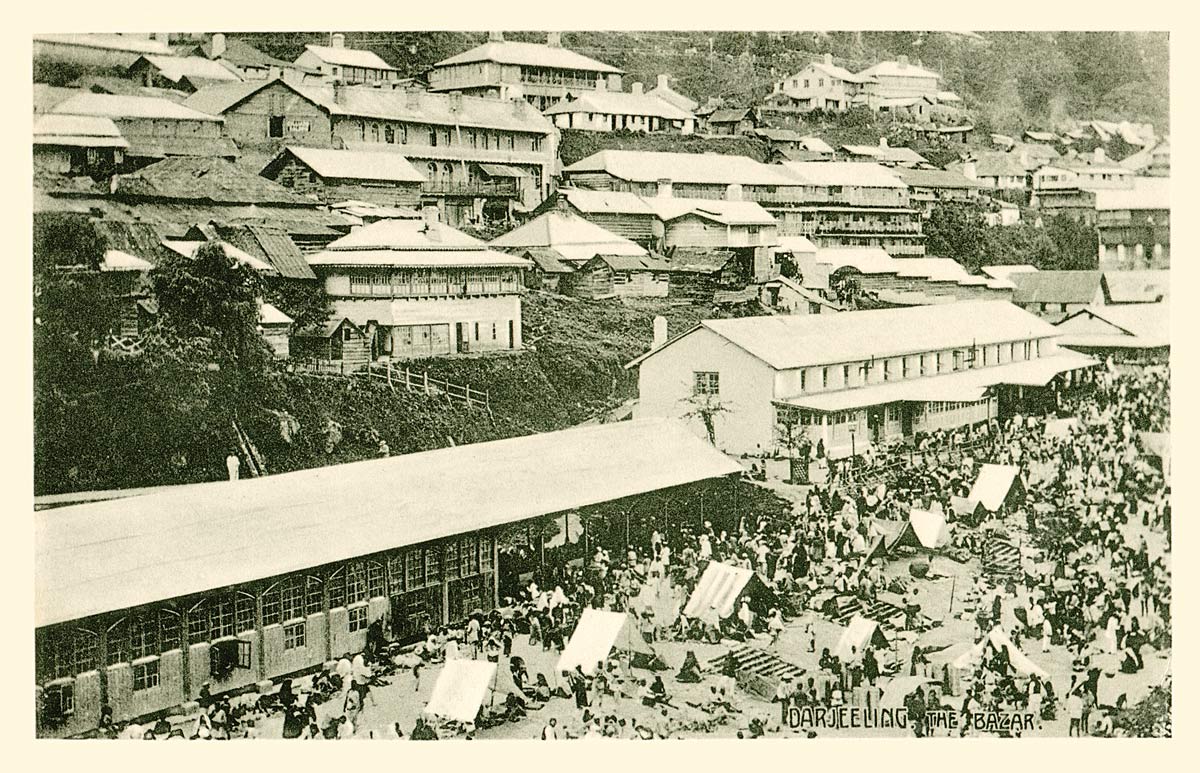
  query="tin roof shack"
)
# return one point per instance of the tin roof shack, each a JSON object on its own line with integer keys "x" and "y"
{"x": 155, "y": 128}
{"x": 549, "y": 271}
{"x": 239, "y": 553}
{"x": 858, "y": 379}
{"x": 182, "y": 73}
{"x": 76, "y": 145}
{"x": 1055, "y": 294}
{"x": 609, "y": 111}
{"x": 420, "y": 288}
{"x": 625, "y": 214}
{"x": 621, "y": 276}
{"x": 541, "y": 73}
{"x": 575, "y": 239}
{"x": 382, "y": 178}
{"x": 696, "y": 275}
{"x": 349, "y": 65}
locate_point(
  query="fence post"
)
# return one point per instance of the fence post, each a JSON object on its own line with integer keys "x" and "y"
{"x": 426, "y": 375}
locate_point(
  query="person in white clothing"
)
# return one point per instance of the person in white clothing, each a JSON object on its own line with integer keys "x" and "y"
{"x": 233, "y": 464}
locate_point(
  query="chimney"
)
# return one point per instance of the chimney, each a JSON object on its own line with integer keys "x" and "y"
{"x": 495, "y": 37}
{"x": 412, "y": 98}
{"x": 636, "y": 88}
{"x": 554, "y": 39}
{"x": 664, "y": 82}
{"x": 902, "y": 61}
{"x": 733, "y": 192}
{"x": 562, "y": 204}
{"x": 665, "y": 188}
{"x": 660, "y": 332}
{"x": 430, "y": 215}
{"x": 1098, "y": 156}
{"x": 883, "y": 142}
{"x": 218, "y": 45}
{"x": 337, "y": 40}
{"x": 829, "y": 59}
{"x": 455, "y": 101}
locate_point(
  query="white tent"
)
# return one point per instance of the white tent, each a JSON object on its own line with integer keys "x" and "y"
{"x": 596, "y": 635}
{"x": 924, "y": 529}
{"x": 461, "y": 688}
{"x": 899, "y": 688}
{"x": 962, "y": 507}
{"x": 999, "y": 640}
{"x": 719, "y": 589}
{"x": 993, "y": 485}
{"x": 858, "y": 634}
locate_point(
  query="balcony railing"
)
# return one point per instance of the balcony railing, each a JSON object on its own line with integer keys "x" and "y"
{"x": 883, "y": 228}
{"x": 451, "y": 188}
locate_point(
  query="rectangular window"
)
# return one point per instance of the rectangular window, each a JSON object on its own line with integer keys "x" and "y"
{"x": 357, "y": 618}
{"x": 145, "y": 675}
{"x": 395, "y": 574}
{"x": 275, "y": 126}
{"x": 389, "y": 134}
{"x": 294, "y": 636}
{"x": 433, "y": 137}
{"x": 356, "y": 582}
{"x": 451, "y": 559}
{"x": 887, "y": 370}
{"x": 706, "y": 383}
{"x": 143, "y": 635}
{"x": 337, "y": 589}
{"x": 486, "y": 544}
{"x": 938, "y": 362}
{"x": 433, "y": 565}
{"x": 923, "y": 365}
{"x": 314, "y": 601}
{"x": 845, "y": 375}
{"x": 904, "y": 369}
{"x": 958, "y": 359}
{"x": 360, "y": 284}
{"x": 414, "y": 576}
{"x": 824, "y": 378}
{"x": 803, "y": 380}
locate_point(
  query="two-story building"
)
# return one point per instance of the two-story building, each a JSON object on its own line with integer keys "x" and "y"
{"x": 543, "y": 74}
{"x": 419, "y": 288}
{"x": 898, "y": 79}
{"x": 994, "y": 170}
{"x": 929, "y": 187}
{"x": 348, "y": 65}
{"x": 477, "y": 155}
{"x": 857, "y": 379}
{"x": 608, "y": 111}
{"x": 1094, "y": 173}
{"x": 155, "y": 128}
{"x": 821, "y": 85}
{"x": 1134, "y": 225}
{"x": 246, "y": 60}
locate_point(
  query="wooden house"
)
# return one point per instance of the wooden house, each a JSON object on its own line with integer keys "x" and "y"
{"x": 378, "y": 177}
{"x": 622, "y": 276}
{"x": 696, "y": 275}
{"x": 550, "y": 271}
{"x": 339, "y": 346}
{"x": 734, "y": 121}
{"x": 76, "y": 145}
{"x": 182, "y": 73}
{"x": 349, "y": 65}
{"x": 276, "y": 328}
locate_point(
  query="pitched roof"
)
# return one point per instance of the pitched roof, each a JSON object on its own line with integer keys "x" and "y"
{"x": 693, "y": 260}
{"x": 867, "y": 260}
{"x": 892, "y": 68}
{"x": 1147, "y": 286}
{"x": 410, "y": 243}
{"x": 45, "y": 98}
{"x": 119, "y": 106}
{"x": 1057, "y": 286}
{"x": 79, "y": 130}
{"x": 1146, "y": 193}
{"x": 699, "y": 168}
{"x": 1006, "y": 271}
{"x": 115, "y": 42}
{"x": 548, "y": 260}
{"x": 730, "y": 114}
{"x": 529, "y": 54}
{"x": 681, "y": 101}
{"x": 620, "y": 103}
{"x": 240, "y": 53}
{"x": 176, "y": 68}
{"x": 633, "y": 262}
{"x": 348, "y": 57}
{"x": 1148, "y": 323}
{"x": 995, "y": 165}
{"x": 269, "y": 314}
{"x": 668, "y": 208}
{"x": 596, "y": 202}
{"x": 572, "y": 236}
{"x": 895, "y": 155}
{"x": 853, "y": 173}
{"x": 117, "y": 554}
{"x": 141, "y": 240}
{"x": 788, "y": 341}
{"x": 935, "y": 178}
{"x": 357, "y": 164}
{"x": 842, "y": 73}
{"x": 200, "y": 179}
{"x": 144, "y": 146}
{"x": 270, "y": 244}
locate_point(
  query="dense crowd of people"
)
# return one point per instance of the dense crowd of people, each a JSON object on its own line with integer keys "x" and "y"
{"x": 1088, "y": 581}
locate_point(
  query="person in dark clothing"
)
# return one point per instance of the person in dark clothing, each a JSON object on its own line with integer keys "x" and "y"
{"x": 690, "y": 672}
{"x": 870, "y": 666}
{"x": 579, "y": 688}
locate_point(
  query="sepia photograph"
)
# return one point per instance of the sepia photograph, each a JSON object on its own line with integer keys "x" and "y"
{"x": 600, "y": 384}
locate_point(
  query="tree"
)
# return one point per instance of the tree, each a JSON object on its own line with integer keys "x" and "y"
{"x": 956, "y": 231}
{"x": 1076, "y": 243}
{"x": 706, "y": 407}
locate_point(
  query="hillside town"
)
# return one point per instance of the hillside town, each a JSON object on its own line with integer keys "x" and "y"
{"x": 509, "y": 397}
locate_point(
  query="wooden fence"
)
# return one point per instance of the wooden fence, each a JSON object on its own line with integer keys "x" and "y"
{"x": 426, "y": 384}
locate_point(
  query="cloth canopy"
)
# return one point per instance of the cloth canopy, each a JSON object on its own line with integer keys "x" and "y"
{"x": 994, "y": 484}
{"x": 860, "y": 632}
{"x": 923, "y": 529}
{"x": 999, "y": 640}
{"x": 899, "y": 688}
{"x": 461, "y": 688}
{"x": 721, "y": 587}
{"x": 597, "y": 634}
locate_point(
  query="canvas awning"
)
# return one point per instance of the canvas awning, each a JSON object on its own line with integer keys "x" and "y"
{"x": 719, "y": 589}
{"x": 899, "y": 688}
{"x": 502, "y": 170}
{"x": 860, "y": 632}
{"x": 461, "y": 688}
{"x": 924, "y": 529}
{"x": 596, "y": 635}
{"x": 993, "y": 485}
{"x": 999, "y": 640}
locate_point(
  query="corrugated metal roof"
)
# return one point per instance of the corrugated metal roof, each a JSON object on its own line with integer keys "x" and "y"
{"x": 118, "y": 554}
{"x": 203, "y": 179}
{"x": 120, "y": 106}
{"x": 531, "y": 54}
{"x": 681, "y": 101}
{"x": 239, "y": 52}
{"x": 188, "y": 250}
{"x": 1149, "y": 323}
{"x": 718, "y": 210}
{"x": 78, "y": 130}
{"x": 606, "y": 202}
{"x": 620, "y": 103}
{"x": 895, "y": 69}
{"x": 357, "y": 164}
{"x": 268, "y": 314}
{"x": 1006, "y": 272}
{"x": 115, "y": 42}
{"x": 574, "y": 237}
{"x": 349, "y": 57}
{"x": 890, "y": 154}
{"x": 786, "y": 342}
{"x": 417, "y": 258}
{"x": 634, "y": 263}
{"x": 176, "y": 68}
{"x": 1138, "y": 286}
{"x": 852, "y": 173}
{"x": 548, "y": 260}
{"x": 167, "y": 147}
{"x": 698, "y": 168}
{"x": 1057, "y": 286}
